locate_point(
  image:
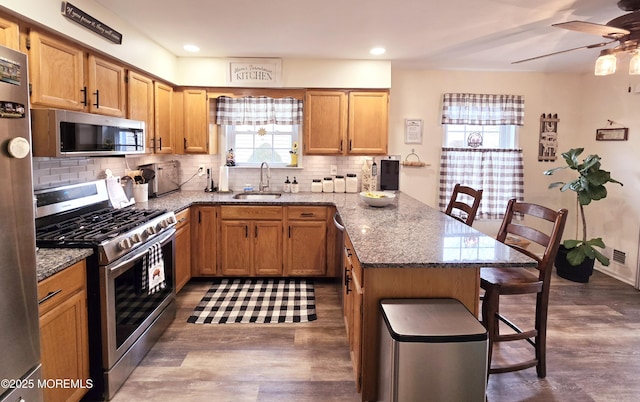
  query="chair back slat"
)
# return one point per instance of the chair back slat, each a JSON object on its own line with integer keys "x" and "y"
{"x": 457, "y": 203}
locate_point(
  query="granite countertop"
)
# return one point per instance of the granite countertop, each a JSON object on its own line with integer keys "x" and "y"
{"x": 52, "y": 260}
{"x": 406, "y": 233}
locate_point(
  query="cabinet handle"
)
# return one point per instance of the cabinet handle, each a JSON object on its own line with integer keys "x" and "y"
{"x": 182, "y": 220}
{"x": 347, "y": 280}
{"x": 347, "y": 250}
{"x": 185, "y": 144}
{"x": 84, "y": 96}
{"x": 307, "y": 214}
{"x": 97, "y": 94}
{"x": 199, "y": 216}
{"x": 350, "y": 148}
{"x": 340, "y": 145}
{"x": 49, "y": 296}
{"x": 160, "y": 141}
{"x": 289, "y": 231}
{"x": 256, "y": 231}
{"x": 246, "y": 230}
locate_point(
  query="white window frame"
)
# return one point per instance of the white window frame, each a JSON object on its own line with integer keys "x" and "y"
{"x": 229, "y": 133}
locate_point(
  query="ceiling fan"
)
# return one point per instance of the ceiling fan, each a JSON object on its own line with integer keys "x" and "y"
{"x": 624, "y": 29}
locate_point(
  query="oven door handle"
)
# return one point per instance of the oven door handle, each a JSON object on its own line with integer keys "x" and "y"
{"x": 162, "y": 238}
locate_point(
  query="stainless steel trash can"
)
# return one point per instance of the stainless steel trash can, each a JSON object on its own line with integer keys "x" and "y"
{"x": 431, "y": 350}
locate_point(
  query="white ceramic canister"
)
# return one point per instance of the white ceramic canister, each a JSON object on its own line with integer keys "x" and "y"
{"x": 351, "y": 183}
{"x": 339, "y": 184}
{"x": 327, "y": 185}
{"x": 316, "y": 186}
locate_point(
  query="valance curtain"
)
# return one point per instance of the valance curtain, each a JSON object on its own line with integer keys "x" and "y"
{"x": 258, "y": 110}
{"x": 482, "y": 109}
{"x": 498, "y": 172}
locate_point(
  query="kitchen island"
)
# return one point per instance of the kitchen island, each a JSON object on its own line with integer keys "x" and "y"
{"x": 404, "y": 250}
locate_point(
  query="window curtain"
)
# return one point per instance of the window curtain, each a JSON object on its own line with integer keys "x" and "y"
{"x": 498, "y": 172}
{"x": 258, "y": 110}
{"x": 482, "y": 109}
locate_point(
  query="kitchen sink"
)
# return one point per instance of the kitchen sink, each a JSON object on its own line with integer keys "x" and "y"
{"x": 257, "y": 196}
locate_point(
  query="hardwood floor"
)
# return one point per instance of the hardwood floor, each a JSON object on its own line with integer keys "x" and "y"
{"x": 593, "y": 353}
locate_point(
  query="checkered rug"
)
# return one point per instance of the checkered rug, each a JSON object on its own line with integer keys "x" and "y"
{"x": 256, "y": 301}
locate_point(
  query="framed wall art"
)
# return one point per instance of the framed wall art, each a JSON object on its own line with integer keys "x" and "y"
{"x": 612, "y": 134}
{"x": 413, "y": 131}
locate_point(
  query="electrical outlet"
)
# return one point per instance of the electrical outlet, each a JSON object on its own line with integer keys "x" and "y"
{"x": 333, "y": 170}
{"x": 201, "y": 170}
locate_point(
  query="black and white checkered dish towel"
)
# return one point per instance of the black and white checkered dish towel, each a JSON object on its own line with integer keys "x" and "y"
{"x": 153, "y": 278}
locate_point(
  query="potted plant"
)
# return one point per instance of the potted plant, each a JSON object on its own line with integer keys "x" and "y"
{"x": 576, "y": 257}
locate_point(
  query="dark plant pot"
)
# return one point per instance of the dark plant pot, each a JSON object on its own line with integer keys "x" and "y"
{"x": 576, "y": 273}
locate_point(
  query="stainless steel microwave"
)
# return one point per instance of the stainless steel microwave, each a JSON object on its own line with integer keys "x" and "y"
{"x": 65, "y": 133}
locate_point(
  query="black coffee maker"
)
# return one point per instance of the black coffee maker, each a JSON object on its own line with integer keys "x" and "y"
{"x": 389, "y": 174}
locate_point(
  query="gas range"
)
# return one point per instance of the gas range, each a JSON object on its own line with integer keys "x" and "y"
{"x": 80, "y": 216}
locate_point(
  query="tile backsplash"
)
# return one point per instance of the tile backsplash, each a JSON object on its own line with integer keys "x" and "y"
{"x": 53, "y": 172}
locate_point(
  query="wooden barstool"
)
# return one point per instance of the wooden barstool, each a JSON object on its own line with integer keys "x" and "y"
{"x": 469, "y": 208}
{"x": 499, "y": 282}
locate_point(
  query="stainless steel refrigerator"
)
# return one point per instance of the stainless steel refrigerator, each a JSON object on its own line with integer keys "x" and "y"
{"x": 19, "y": 334}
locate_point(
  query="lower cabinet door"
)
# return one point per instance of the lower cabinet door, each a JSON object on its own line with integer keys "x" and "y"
{"x": 235, "y": 239}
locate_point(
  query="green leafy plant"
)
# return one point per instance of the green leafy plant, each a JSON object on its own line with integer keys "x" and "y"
{"x": 588, "y": 186}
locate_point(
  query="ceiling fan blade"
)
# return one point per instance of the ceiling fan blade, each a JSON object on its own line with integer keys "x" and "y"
{"x": 594, "y": 29}
{"x": 565, "y": 51}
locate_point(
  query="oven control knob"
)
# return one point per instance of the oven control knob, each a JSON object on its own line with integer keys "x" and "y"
{"x": 150, "y": 230}
{"x": 136, "y": 238}
{"x": 162, "y": 225}
{"x": 125, "y": 244}
{"x": 171, "y": 220}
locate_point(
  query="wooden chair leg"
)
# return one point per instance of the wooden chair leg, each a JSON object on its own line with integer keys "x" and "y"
{"x": 490, "y": 305}
{"x": 541, "y": 338}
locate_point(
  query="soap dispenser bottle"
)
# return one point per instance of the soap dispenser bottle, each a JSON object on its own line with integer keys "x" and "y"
{"x": 295, "y": 187}
{"x": 287, "y": 185}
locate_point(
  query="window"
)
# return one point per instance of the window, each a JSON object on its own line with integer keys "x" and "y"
{"x": 479, "y": 149}
{"x": 254, "y": 144}
{"x": 260, "y": 129}
{"x": 477, "y": 136}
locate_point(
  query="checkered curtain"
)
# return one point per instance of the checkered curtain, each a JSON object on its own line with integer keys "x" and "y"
{"x": 258, "y": 110}
{"x": 483, "y": 109}
{"x": 498, "y": 172}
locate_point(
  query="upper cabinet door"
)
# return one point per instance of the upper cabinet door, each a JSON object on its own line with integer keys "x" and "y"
{"x": 9, "y": 34}
{"x": 140, "y": 103}
{"x": 56, "y": 71}
{"x": 325, "y": 123}
{"x": 368, "y": 123}
{"x": 163, "y": 142}
{"x": 196, "y": 115}
{"x": 106, "y": 87}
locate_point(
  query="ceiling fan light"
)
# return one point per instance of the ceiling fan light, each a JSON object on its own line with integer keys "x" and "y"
{"x": 634, "y": 64}
{"x": 605, "y": 64}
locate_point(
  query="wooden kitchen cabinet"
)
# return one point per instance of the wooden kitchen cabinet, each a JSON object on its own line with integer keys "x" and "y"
{"x": 64, "y": 340}
{"x": 346, "y": 122}
{"x": 106, "y": 87}
{"x": 140, "y": 105}
{"x": 183, "y": 248}
{"x": 204, "y": 244}
{"x": 352, "y": 308}
{"x": 251, "y": 240}
{"x": 64, "y": 76}
{"x": 192, "y": 123}
{"x": 56, "y": 72}
{"x": 9, "y": 34}
{"x": 306, "y": 243}
{"x": 162, "y": 139}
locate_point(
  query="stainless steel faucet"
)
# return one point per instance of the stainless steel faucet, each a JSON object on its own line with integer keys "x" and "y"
{"x": 264, "y": 186}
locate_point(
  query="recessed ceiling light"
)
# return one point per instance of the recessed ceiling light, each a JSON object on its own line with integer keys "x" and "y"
{"x": 191, "y": 48}
{"x": 377, "y": 51}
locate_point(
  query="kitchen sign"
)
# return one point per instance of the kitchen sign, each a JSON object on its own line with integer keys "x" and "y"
{"x": 81, "y": 18}
{"x": 254, "y": 72}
